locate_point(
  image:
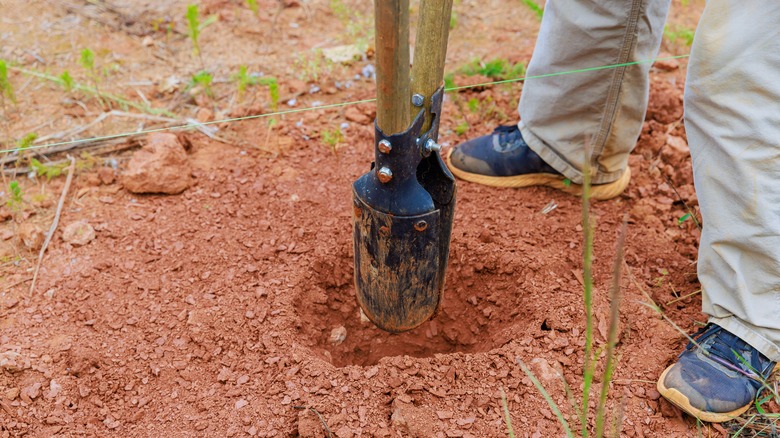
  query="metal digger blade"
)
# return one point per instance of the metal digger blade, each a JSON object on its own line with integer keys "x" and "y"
{"x": 403, "y": 211}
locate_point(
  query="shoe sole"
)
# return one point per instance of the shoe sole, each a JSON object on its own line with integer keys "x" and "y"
{"x": 597, "y": 191}
{"x": 682, "y": 402}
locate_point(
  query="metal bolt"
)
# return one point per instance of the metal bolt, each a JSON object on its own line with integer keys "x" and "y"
{"x": 385, "y": 175}
{"x": 418, "y": 100}
{"x": 421, "y": 226}
{"x": 384, "y": 146}
{"x": 431, "y": 146}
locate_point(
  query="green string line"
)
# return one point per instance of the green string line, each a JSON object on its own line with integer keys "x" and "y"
{"x": 334, "y": 105}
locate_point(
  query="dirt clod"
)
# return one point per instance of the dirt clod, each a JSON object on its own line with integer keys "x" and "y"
{"x": 32, "y": 236}
{"x": 78, "y": 233}
{"x": 161, "y": 166}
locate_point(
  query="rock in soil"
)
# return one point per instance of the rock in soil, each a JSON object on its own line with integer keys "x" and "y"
{"x": 78, "y": 233}
{"x": 159, "y": 167}
{"x": 32, "y": 236}
{"x": 337, "y": 335}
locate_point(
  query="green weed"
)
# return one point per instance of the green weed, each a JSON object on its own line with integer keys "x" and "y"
{"x": 462, "y": 128}
{"x": 252, "y": 4}
{"x": 273, "y": 89}
{"x": 48, "y": 170}
{"x": 332, "y": 138}
{"x": 201, "y": 81}
{"x": 67, "y": 81}
{"x": 14, "y": 201}
{"x": 26, "y": 141}
{"x": 533, "y": 6}
{"x": 684, "y": 35}
{"x": 121, "y": 101}
{"x": 6, "y": 89}
{"x": 311, "y": 67}
{"x": 359, "y": 26}
{"x": 499, "y": 69}
{"x": 195, "y": 27}
{"x": 88, "y": 63}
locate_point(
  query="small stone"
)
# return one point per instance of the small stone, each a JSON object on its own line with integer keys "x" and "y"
{"x": 159, "y": 167}
{"x": 32, "y": 236}
{"x": 653, "y": 394}
{"x": 224, "y": 375}
{"x": 78, "y": 233}
{"x": 10, "y": 361}
{"x": 241, "y": 403}
{"x": 344, "y": 432}
{"x": 338, "y": 335}
{"x": 11, "y": 393}
{"x": 32, "y": 391}
{"x": 54, "y": 390}
{"x": 106, "y": 175}
{"x": 443, "y": 415}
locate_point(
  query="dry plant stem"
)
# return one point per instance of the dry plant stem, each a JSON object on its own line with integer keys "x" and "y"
{"x": 687, "y": 207}
{"x": 614, "y": 323}
{"x": 507, "y": 417}
{"x": 546, "y": 395}
{"x": 322, "y": 420}
{"x": 587, "y": 275}
{"x": 53, "y": 228}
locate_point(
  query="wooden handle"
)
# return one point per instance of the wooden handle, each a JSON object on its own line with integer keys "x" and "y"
{"x": 433, "y": 28}
{"x": 393, "y": 98}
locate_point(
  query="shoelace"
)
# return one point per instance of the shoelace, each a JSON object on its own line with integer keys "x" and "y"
{"x": 507, "y": 134}
{"x": 722, "y": 351}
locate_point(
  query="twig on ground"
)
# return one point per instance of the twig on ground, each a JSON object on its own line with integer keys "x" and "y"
{"x": 60, "y": 204}
{"x": 322, "y": 420}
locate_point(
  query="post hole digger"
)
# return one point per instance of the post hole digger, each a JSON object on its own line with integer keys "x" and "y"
{"x": 404, "y": 206}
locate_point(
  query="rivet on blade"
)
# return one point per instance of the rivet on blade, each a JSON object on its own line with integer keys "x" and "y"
{"x": 384, "y": 146}
{"x": 385, "y": 175}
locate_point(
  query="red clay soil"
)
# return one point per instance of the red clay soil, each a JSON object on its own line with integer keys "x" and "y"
{"x": 210, "y": 313}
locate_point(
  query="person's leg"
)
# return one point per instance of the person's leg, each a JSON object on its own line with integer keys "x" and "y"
{"x": 559, "y": 114}
{"x": 732, "y": 119}
{"x": 605, "y": 107}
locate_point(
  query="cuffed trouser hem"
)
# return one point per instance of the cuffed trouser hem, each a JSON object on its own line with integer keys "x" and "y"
{"x": 749, "y": 334}
{"x": 551, "y": 157}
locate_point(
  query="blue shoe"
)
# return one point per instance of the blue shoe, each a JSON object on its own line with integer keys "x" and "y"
{"x": 710, "y": 382}
{"x": 503, "y": 159}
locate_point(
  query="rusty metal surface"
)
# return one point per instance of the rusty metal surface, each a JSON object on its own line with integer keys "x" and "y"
{"x": 396, "y": 267}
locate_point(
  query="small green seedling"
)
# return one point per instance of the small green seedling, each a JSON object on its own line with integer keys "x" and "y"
{"x": 462, "y": 128}
{"x": 684, "y": 34}
{"x": 15, "y": 200}
{"x": 26, "y": 141}
{"x": 6, "y": 89}
{"x": 473, "y": 104}
{"x": 202, "y": 81}
{"x": 683, "y": 218}
{"x": 194, "y": 27}
{"x": 244, "y": 80}
{"x": 48, "y": 170}
{"x": 332, "y": 138}
{"x": 252, "y": 4}
{"x": 88, "y": 63}
{"x": 67, "y": 81}
{"x": 533, "y": 6}
{"x": 273, "y": 89}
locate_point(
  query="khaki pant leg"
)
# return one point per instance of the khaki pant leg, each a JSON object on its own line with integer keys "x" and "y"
{"x": 732, "y": 117}
{"x": 605, "y": 106}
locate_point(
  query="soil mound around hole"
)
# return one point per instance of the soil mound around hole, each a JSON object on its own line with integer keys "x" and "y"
{"x": 470, "y": 320}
